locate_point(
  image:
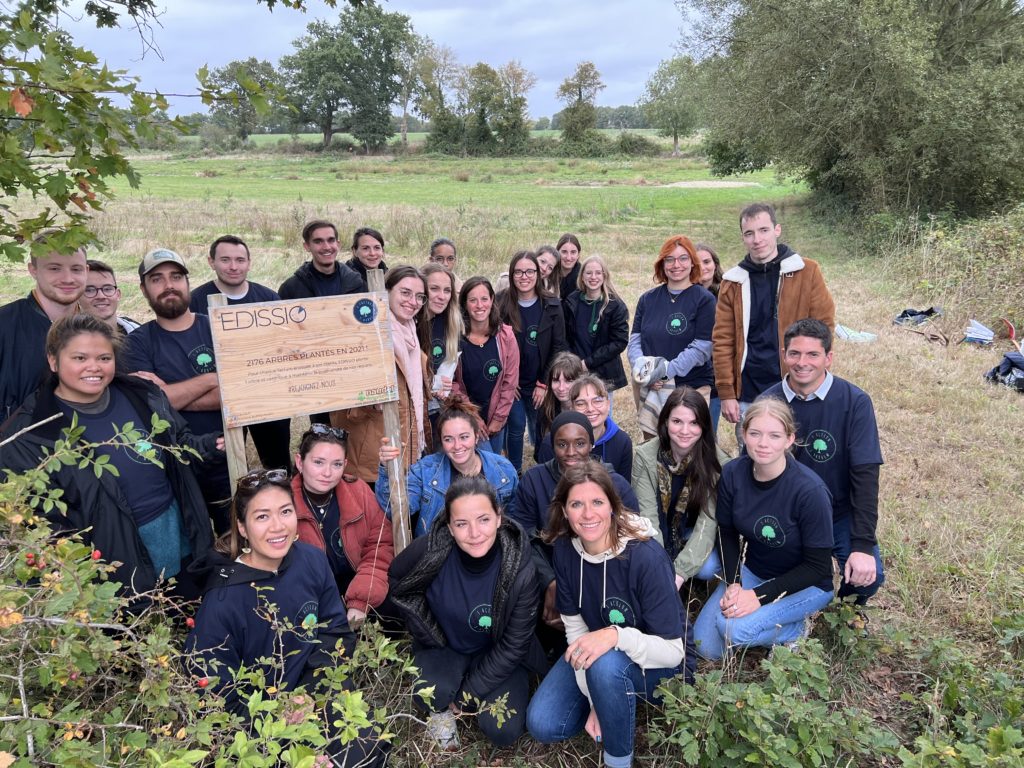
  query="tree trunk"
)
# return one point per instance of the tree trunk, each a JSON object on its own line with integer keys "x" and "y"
{"x": 675, "y": 143}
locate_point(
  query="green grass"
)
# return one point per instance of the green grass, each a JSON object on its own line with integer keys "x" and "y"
{"x": 951, "y": 492}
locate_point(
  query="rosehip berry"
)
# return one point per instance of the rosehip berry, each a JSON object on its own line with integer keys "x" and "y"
{"x": 73, "y": 675}
{"x": 203, "y": 682}
{"x": 96, "y": 554}
{"x": 30, "y": 557}
{"x": 190, "y": 622}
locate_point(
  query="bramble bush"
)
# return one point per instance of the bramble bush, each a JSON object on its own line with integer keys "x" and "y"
{"x": 91, "y": 676}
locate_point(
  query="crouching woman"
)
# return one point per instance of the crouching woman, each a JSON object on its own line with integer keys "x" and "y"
{"x": 259, "y": 580}
{"x": 469, "y": 594}
{"x": 624, "y": 622}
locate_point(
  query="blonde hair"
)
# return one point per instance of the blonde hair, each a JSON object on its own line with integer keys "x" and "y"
{"x": 453, "y": 327}
{"x": 774, "y": 407}
{"x": 608, "y": 291}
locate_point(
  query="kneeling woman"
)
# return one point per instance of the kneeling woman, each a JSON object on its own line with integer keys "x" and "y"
{"x": 257, "y": 576}
{"x": 624, "y": 622}
{"x": 469, "y": 595}
{"x": 784, "y": 514}
{"x": 338, "y": 514}
{"x": 676, "y": 479}
{"x": 149, "y": 518}
{"x": 459, "y": 427}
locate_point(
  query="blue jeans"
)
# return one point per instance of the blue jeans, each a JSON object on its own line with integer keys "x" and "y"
{"x": 522, "y": 418}
{"x": 773, "y": 624}
{"x": 841, "y": 552}
{"x": 497, "y": 442}
{"x": 559, "y": 710}
{"x": 716, "y": 413}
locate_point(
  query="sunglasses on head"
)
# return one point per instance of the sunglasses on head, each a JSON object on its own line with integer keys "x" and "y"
{"x": 323, "y": 429}
{"x": 260, "y": 477}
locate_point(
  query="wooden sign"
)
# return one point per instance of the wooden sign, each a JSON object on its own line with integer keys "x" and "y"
{"x": 279, "y": 359}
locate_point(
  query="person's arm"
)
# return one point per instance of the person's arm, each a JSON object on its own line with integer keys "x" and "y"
{"x": 188, "y": 394}
{"x": 502, "y": 658}
{"x": 645, "y": 484}
{"x": 211, "y": 650}
{"x": 698, "y": 547}
{"x": 507, "y": 384}
{"x": 332, "y": 614}
{"x": 698, "y": 351}
{"x": 634, "y": 347}
{"x": 823, "y": 307}
{"x": 558, "y": 338}
{"x": 723, "y": 343}
{"x": 616, "y": 317}
{"x": 369, "y": 586}
{"x": 864, "y": 504}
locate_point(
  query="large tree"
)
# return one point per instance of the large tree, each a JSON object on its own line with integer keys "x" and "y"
{"x": 579, "y": 92}
{"x": 671, "y": 99}
{"x": 67, "y": 122}
{"x": 888, "y": 104}
{"x": 510, "y": 121}
{"x": 348, "y": 75}
{"x": 247, "y": 88}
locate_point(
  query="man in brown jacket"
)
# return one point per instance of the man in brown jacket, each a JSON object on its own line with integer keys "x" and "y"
{"x": 769, "y": 290}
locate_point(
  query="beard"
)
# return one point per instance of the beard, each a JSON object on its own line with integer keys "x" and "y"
{"x": 169, "y": 306}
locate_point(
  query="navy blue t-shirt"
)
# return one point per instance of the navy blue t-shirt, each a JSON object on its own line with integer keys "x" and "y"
{"x": 143, "y": 483}
{"x": 438, "y": 333}
{"x": 668, "y": 323}
{"x": 586, "y": 325}
{"x": 636, "y": 589}
{"x": 330, "y": 527}
{"x": 529, "y": 354}
{"x": 256, "y": 293}
{"x": 481, "y": 367}
{"x": 777, "y": 519}
{"x": 835, "y": 434}
{"x": 460, "y": 599}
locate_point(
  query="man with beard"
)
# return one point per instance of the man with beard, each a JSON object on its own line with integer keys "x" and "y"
{"x": 24, "y": 323}
{"x": 175, "y": 352}
{"x": 230, "y": 261}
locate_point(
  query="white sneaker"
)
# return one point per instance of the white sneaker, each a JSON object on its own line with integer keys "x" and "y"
{"x": 444, "y": 730}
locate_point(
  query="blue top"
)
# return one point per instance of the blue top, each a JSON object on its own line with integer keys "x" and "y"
{"x": 200, "y": 302}
{"x": 460, "y": 598}
{"x": 481, "y": 367}
{"x": 428, "y": 482}
{"x": 144, "y": 484}
{"x": 778, "y": 519}
{"x": 438, "y": 329}
{"x": 669, "y": 324}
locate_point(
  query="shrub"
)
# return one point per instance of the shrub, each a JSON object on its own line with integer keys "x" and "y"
{"x": 634, "y": 144}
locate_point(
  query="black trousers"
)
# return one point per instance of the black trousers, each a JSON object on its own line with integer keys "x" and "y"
{"x": 272, "y": 440}
{"x": 445, "y": 669}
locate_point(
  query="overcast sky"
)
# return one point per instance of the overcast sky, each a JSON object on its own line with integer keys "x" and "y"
{"x": 626, "y": 40}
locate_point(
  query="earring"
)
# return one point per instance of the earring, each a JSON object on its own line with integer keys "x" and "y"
{"x": 246, "y": 549}
{"x": 296, "y": 537}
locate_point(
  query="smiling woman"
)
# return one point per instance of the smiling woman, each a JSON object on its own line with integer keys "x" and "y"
{"x": 149, "y": 517}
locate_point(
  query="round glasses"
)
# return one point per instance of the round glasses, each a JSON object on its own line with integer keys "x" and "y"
{"x": 107, "y": 290}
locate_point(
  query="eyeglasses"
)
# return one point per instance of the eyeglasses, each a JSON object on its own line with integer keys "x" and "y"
{"x": 323, "y": 429}
{"x": 440, "y": 259}
{"x": 406, "y": 294}
{"x": 594, "y": 402}
{"x": 107, "y": 290}
{"x": 668, "y": 260}
{"x": 524, "y": 272}
{"x": 260, "y": 477}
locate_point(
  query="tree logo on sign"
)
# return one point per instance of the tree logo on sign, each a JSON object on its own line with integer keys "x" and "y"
{"x": 365, "y": 311}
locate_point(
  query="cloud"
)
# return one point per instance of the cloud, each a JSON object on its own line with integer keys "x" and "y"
{"x": 626, "y": 41}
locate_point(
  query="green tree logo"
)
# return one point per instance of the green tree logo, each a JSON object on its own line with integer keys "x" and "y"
{"x": 820, "y": 445}
{"x": 676, "y": 324}
{"x": 484, "y": 622}
{"x": 769, "y": 531}
{"x": 437, "y": 351}
{"x": 615, "y": 616}
{"x": 204, "y": 358}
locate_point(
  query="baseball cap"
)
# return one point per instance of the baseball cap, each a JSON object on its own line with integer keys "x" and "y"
{"x": 159, "y": 256}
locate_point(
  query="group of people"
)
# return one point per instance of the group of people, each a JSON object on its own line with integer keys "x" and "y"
{"x": 573, "y": 569}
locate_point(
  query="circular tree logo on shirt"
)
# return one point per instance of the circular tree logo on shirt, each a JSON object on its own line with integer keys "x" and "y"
{"x": 337, "y": 547}
{"x": 617, "y": 612}
{"x": 821, "y": 446}
{"x": 768, "y": 530}
{"x": 593, "y": 328}
{"x": 306, "y": 620}
{"x": 202, "y": 359}
{"x": 437, "y": 350}
{"x": 365, "y": 311}
{"x": 531, "y": 335}
{"x": 491, "y": 369}
{"x": 676, "y": 324}
{"x": 480, "y": 618}
{"x": 144, "y": 452}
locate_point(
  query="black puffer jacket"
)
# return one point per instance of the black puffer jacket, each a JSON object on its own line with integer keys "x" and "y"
{"x": 98, "y": 503}
{"x": 303, "y": 284}
{"x": 515, "y": 604}
{"x": 609, "y": 343}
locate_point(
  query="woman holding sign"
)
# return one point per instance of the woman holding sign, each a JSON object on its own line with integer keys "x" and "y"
{"x": 407, "y": 294}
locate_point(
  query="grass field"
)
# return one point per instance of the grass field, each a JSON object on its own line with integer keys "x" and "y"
{"x": 951, "y": 527}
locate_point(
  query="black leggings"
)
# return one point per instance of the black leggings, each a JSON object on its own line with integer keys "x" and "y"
{"x": 445, "y": 669}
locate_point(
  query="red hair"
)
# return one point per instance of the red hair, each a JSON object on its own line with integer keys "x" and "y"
{"x": 677, "y": 241}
